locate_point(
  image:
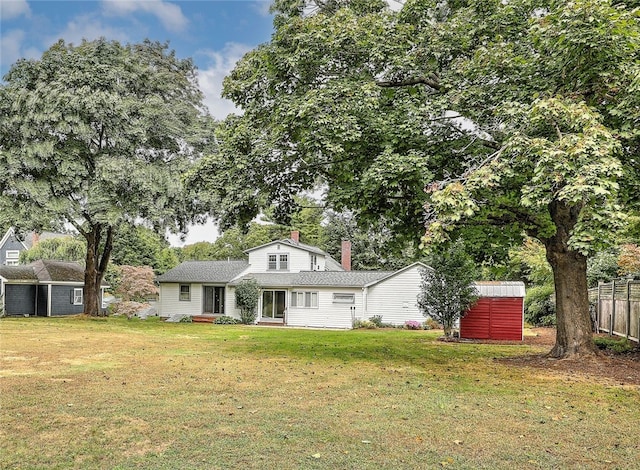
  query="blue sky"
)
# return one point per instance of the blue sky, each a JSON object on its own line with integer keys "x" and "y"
{"x": 214, "y": 33}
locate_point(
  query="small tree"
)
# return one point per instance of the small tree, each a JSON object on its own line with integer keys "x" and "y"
{"x": 247, "y": 295}
{"x": 136, "y": 283}
{"x": 447, "y": 290}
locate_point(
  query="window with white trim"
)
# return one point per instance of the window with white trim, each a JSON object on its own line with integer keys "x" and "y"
{"x": 12, "y": 257}
{"x": 185, "y": 292}
{"x": 279, "y": 262}
{"x": 304, "y": 299}
{"x": 344, "y": 298}
{"x": 77, "y": 296}
{"x": 314, "y": 262}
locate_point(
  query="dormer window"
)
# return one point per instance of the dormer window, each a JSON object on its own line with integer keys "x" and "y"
{"x": 278, "y": 262}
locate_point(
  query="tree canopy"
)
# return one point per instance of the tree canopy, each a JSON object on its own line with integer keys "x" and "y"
{"x": 96, "y": 135}
{"x": 519, "y": 117}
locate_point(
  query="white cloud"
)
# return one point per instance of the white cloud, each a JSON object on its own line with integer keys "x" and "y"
{"x": 10, "y": 9}
{"x": 169, "y": 14}
{"x": 210, "y": 78}
{"x": 262, "y": 7}
{"x": 88, "y": 27}
{"x": 11, "y": 46}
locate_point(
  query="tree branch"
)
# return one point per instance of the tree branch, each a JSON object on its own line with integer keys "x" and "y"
{"x": 430, "y": 82}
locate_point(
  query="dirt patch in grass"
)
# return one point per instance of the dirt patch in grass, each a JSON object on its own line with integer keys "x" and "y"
{"x": 617, "y": 369}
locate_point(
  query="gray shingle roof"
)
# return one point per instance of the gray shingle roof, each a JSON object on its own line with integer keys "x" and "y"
{"x": 18, "y": 273}
{"x": 205, "y": 271}
{"x": 339, "y": 278}
{"x": 316, "y": 278}
{"x": 45, "y": 271}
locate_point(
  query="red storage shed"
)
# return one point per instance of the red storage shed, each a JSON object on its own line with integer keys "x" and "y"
{"x": 498, "y": 314}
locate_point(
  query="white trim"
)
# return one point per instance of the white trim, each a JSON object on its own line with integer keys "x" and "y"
{"x": 11, "y": 231}
{"x": 78, "y": 299}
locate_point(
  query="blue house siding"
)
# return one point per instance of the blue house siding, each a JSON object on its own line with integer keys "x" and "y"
{"x": 20, "y": 299}
{"x": 62, "y": 301}
{"x": 12, "y": 244}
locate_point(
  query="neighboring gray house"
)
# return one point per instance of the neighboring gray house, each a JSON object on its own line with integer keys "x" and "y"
{"x": 301, "y": 285}
{"x": 11, "y": 245}
{"x": 43, "y": 288}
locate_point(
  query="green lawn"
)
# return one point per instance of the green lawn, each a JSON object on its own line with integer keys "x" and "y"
{"x": 112, "y": 393}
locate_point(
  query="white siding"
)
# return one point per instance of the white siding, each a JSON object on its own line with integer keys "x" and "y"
{"x": 230, "y": 303}
{"x": 299, "y": 260}
{"x": 395, "y": 298}
{"x": 328, "y": 314}
{"x": 170, "y": 303}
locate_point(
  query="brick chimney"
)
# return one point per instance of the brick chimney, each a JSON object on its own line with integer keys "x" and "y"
{"x": 295, "y": 236}
{"x": 346, "y": 255}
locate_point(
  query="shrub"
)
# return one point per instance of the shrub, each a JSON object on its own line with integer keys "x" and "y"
{"x": 376, "y": 320}
{"x": 431, "y": 324}
{"x": 187, "y": 319}
{"x": 226, "y": 320}
{"x": 247, "y": 296}
{"x": 413, "y": 325}
{"x": 616, "y": 345}
{"x": 367, "y": 324}
{"x": 539, "y": 306}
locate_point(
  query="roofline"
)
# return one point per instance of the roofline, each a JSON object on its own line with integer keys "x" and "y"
{"x": 292, "y": 243}
{"x": 417, "y": 263}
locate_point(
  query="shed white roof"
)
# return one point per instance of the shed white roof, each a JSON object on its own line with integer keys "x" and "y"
{"x": 500, "y": 288}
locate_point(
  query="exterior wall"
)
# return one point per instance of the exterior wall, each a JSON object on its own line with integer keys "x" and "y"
{"x": 11, "y": 244}
{"x": 20, "y": 299}
{"x": 328, "y": 314}
{"x": 170, "y": 302}
{"x": 299, "y": 260}
{"x": 395, "y": 298}
{"x": 61, "y": 301}
{"x": 230, "y": 303}
{"x": 499, "y": 318}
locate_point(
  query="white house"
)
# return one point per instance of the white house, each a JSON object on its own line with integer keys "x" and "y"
{"x": 301, "y": 285}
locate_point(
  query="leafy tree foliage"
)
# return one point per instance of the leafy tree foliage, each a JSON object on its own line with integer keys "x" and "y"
{"x": 517, "y": 116}
{"x": 629, "y": 260}
{"x": 97, "y": 135}
{"x": 141, "y": 246}
{"x": 602, "y": 266}
{"x": 247, "y": 297}
{"x": 372, "y": 248}
{"x": 447, "y": 290}
{"x": 63, "y": 249}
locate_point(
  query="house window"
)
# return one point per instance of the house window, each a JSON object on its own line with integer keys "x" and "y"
{"x": 278, "y": 262}
{"x": 344, "y": 298}
{"x": 314, "y": 262}
{"x": 304, "y": 299}
{"x": 77, "y": 296}
{"x": 185, "y": 292}
{"x": 12, "y": 257}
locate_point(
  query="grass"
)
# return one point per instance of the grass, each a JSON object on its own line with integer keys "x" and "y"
{"x": 112, "y": 393}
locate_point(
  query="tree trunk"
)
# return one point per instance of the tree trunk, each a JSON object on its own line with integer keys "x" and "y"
{"x": 574, "y": 335}
{"x": 95, "y": 267}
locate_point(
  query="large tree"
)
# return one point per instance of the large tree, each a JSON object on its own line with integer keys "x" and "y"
{"x": 96, "y": 135}
{"x": 518, "y": 116}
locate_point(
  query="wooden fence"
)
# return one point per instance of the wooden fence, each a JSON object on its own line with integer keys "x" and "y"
{"x": 617, "y": 308}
